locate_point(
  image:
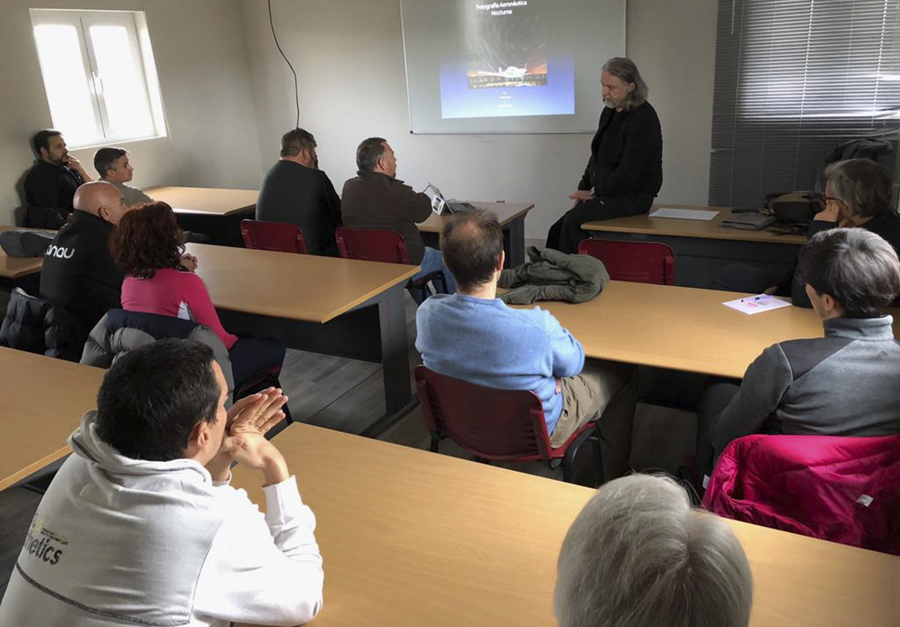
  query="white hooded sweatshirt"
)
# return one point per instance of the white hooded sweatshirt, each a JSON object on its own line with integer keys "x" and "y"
{"x": 119, "y": 541}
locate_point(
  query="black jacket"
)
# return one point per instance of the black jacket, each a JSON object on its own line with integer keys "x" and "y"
{"x": 292, "y": 193}
{"x": 78, "y": 272}
{"x": 626, "y": 154}
{"x": 376, "y": 201}
{"x": 49, "y": 191}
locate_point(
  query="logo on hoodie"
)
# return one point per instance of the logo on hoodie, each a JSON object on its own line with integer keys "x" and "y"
{"x": 60, "y": 252}
{"x": 42, "y": 543}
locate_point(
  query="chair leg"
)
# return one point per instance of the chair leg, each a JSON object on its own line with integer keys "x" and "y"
{"x": 569, "y": 469}
{"x": 435, "y": 443}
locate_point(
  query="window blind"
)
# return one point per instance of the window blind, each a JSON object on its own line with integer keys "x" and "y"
{"x": 794, "y": 79}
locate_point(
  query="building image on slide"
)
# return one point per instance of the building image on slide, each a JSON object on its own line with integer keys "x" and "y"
{"x": 505, "y": 67}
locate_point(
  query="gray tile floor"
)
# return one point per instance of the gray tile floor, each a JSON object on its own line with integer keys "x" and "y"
{"x": 347, "y": 395}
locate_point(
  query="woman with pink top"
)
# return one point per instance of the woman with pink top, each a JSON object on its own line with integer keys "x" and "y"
{"x": 148, "y": 246}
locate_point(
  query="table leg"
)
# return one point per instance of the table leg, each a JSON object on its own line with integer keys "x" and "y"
{"x": 514, "y": 233}
{"x": 398, "y": 398}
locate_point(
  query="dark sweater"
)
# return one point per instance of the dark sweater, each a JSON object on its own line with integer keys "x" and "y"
{"x": 842, "y": 384}
{"x": 49, "y": 191}
{"x": 377, "y": 201}
{"x": 626, "y": 154}
{"x": 78, "y": 273}
{"x": 293, "y": 193}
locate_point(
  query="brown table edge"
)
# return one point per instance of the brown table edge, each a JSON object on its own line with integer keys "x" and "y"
{"x": 526, "y": 207}
{"x": 33, "y": 467}
{"x": 727, "y": 234}
{"x": 22, "y": 273}
{"x": 289, "y": 314}
{"x": 201, "y": 212}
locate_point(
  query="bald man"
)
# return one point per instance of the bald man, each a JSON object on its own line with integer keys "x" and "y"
{"x": 78, "y": 273}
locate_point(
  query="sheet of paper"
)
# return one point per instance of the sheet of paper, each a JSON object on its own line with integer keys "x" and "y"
{"x": 756, "y": 304}
{"x": 684, "y": 214}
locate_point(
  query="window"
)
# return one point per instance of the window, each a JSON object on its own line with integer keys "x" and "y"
{"x": 99, "y": 75}
{"x": 794, "y": 79}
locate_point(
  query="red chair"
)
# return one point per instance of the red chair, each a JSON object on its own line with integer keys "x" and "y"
{"x": 386, "y": 247}
{"x": 278, "y": 236}
{"x": 638, "y": 262}
{"x": 496, "y": 425}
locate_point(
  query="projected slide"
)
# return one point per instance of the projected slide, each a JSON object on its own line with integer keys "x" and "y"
{"x": 506, "y": 68}
{"x": 511, "y": 66}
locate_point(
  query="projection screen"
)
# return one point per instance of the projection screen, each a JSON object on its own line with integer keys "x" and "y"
{"x": 521, "y": 66}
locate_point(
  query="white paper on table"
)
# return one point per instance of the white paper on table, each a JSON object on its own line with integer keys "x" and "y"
{"x": 684, "y": 214}
{"x": 756, "y": 304}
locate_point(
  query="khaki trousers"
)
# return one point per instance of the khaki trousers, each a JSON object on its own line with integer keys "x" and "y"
{"x": 607, "y": 390}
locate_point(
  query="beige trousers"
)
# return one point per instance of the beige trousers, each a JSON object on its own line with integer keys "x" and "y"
{"x": 606, "y": 391}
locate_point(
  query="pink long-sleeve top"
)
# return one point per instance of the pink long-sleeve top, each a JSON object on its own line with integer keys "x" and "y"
{"x": 177, "y": 294}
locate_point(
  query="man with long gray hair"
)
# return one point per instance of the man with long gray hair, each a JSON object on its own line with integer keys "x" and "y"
{"x": 638, "y": 555}
{"x": 624, "y": 172}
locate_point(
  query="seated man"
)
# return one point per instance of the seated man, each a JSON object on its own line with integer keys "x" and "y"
{"x": 295, "y": 190}
{"x": 78, "y": 273}
{"x": 376, "y": 199}
{"x": 638, "y": 556}
{"x": 50, "y": 185}
{"x": 842, "y": 384}
{"x": 140, "y": 525}
{"x": 624, "y": 171}
{"x": 113, "y": 167}
{"x": 474, "y": 336}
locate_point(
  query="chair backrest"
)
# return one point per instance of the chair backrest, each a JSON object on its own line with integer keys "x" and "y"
{"x": 638, "y": 262}
{"x": 278, "y": 236}
{"x": 371, "y": 245}
{"x": 838, "y": 488}
{"x": 499, "y": 425}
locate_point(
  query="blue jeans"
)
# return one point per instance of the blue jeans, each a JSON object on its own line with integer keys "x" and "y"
{"x": 433, "y": 261}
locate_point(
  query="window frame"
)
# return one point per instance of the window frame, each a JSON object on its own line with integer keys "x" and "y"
{"x": 135, "y": 25}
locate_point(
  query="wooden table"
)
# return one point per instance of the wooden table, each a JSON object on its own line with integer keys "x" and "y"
{"x": 680, "y": 328}
{"x": 214, "y": 212}
{"x": 511, "y": 216}
{"x": 43, "y": 401}
{"x": 14, "y": 268}
{"x": 206, "y": 200}
{"x": 702, "y": 247}
{"x": 326, "y": 305}
{"x": 410, "y": 537}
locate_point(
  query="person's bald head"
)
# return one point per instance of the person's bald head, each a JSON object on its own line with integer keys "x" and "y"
{"x": 101, "y": 199}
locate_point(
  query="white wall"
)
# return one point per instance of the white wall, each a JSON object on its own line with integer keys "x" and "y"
{"x": 349, "y": 56}
{"x": 204, "y": 77}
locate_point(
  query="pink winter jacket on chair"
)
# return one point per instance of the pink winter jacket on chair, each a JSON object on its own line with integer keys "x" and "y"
{"x": 843, "y": 489}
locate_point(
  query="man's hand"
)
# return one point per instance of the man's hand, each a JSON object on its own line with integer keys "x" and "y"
{"x": 74, "y": 164}
{"x": 189, "y": 262}
{"x": 256, "y": 413}
{"x": 580, "y": 195}
{"x": 831, "y": 212}
{"x": 255, "y": 451}
{"x": 247, "y": 422}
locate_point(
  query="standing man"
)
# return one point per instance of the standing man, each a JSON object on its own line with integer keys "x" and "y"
{"x": 113, "y": 167}
{"x": 295, "y": 190}
{"x": 624, "y": 173}
{"x": 50, "y": 185}
{"x": 377, "y": 199}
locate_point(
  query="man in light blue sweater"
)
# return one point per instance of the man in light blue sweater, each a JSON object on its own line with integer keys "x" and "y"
{"x": 472, "y": 335}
